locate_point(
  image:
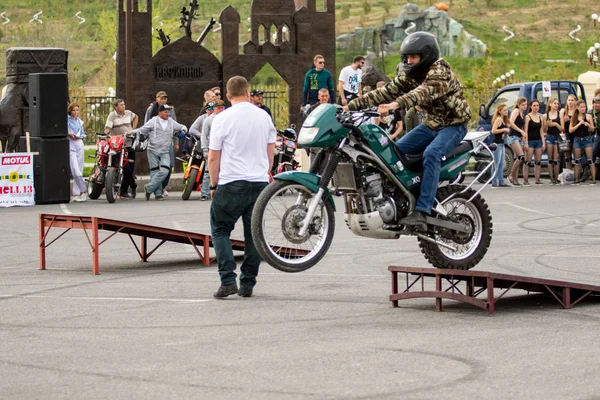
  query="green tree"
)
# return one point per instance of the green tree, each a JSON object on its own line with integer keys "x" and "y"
{"x": 107, "y": 19}
{"x": 346, "y": 11}
{"x": 366, "y": 5}
{"x": 387, "y": 6}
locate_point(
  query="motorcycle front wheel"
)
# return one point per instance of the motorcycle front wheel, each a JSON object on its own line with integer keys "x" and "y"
{"x": 275, "y": 227}
{"x": 189, "y": 185}
{"x": 113, "y": 180}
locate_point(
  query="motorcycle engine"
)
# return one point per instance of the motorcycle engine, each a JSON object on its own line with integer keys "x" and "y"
{"x": 381, "y": 202}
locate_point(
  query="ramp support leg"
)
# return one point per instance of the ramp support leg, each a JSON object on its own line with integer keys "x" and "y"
{"x": 206, "y": 258}
{"x": 95, "y": 247}
{"x": 566, "y": 295}
{"x": 395, "y": 287}
{"x": 144, "y": 249}
{"x": 490, "y": 293}
{"x": 438, "y": 288}
{"x": 42, "y": 242}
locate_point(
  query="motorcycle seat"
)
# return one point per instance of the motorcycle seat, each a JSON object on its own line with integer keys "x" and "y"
{"x": 414, "y": 162}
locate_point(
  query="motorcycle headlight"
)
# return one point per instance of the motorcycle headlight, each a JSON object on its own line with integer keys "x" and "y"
{"x": 307, "y": 134}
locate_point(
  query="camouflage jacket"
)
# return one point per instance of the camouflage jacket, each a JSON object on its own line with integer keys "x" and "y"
{"x": 440, "y": 95}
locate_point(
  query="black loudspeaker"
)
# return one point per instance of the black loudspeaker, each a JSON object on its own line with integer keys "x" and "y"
{"x": 51, "y": 169}
{"x": 48, "y": 96}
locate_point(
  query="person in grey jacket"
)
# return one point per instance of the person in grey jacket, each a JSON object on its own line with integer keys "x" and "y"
{"x": 217, "y": 106}
{"x": 160, "y": 131}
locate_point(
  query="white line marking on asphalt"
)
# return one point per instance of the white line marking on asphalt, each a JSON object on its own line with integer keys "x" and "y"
{"x": 65, "y": 209}
{"x": 303, "y": 274}
{"x": 117, "y": 298}
{"x": 578, "y": 221}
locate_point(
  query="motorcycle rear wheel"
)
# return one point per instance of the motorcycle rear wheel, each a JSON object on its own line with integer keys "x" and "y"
{"x": 470, "y": 247}
{"x": 113, "y": 180}
{"x": 94, "y": 190}
{"x": 189, "y": 184}
{"x": 275, "y": 227}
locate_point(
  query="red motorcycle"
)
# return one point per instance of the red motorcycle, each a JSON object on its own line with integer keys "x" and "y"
{"x": 111, "y": 158}
{"x": 285, "y": 150}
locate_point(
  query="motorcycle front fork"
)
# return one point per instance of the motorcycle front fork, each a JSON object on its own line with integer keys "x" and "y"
{"x": 332, "y": 164}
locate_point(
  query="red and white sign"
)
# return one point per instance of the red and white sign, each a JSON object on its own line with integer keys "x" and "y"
{"x": 16, "y": 180}
{"x": 16, "y": 160}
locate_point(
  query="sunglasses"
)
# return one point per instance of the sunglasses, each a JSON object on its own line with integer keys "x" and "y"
{"x": 217, "y": 94}
{"x": 321, "y": 62}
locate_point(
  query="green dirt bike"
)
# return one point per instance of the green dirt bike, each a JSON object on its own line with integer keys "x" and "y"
{"x": 293, "y": 229}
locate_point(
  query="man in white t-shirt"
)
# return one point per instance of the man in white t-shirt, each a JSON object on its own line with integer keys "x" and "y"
{"x": 350, "y": 82}
{"x": 240, "y": 156}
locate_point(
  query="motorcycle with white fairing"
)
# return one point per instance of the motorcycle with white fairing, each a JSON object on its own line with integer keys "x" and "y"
{"x": 293, "y": 229}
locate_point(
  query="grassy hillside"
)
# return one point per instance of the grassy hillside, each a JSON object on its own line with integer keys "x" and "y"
{"x": 541, "y": 30}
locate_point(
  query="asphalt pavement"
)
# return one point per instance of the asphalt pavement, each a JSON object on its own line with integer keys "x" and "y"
{"x": 153, "y": 330}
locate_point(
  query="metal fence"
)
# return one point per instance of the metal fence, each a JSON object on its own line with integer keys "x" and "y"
{"x": 94, "y": 111}
{"x": 270, "y": 100}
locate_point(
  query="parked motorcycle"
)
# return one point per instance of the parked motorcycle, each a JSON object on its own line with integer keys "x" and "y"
{"x": 98, "y": 175}
{"x": 111, "y": 158}
{"x": 194, "y": 169}
{"x": 379, "y": 184}
{"x": 285, "y": 151}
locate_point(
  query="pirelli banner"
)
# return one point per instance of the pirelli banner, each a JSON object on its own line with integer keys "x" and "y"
{"x": 16, "y": 180}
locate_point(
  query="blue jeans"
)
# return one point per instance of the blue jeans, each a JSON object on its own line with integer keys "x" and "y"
{"x": 513, "y": 139}
{"x": 551, "y": 139}
{"x": 535, "y": 144}
{"x": 582, "y": 142}
{"x": 434, "y": 145}
{"x": 230, "y": 202}
{"x": 205, "y": 189}
{"x": 160, "y": 167}
{"x": 499, "y": 163}
{"x": 166, "y": 180}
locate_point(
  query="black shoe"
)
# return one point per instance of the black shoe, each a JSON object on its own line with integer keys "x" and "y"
{"x": 225, "y": 291}
{"x": 133, "y": 191}
{"x": 244, "y": 291}
{"x": 416, "y": 219}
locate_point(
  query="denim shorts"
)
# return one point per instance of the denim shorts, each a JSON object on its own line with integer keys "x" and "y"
{"x": 535, "y": 144}
{"x": 582, "y": 142}
{"x": 513, "y": 139}
{"x": 551, "y": 139}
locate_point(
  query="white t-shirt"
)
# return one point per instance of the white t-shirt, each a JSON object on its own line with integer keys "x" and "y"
{"x": 351, "y": 78}
{"x": 242, "y": 133}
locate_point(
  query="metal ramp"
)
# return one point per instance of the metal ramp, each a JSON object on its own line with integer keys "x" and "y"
{"x": 477, "y": 283}
{"x": 92, "y": 225}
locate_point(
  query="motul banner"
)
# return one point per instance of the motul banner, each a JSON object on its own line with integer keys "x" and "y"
{"x": 16, "y": 180}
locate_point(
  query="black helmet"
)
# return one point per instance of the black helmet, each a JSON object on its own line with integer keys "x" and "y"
{"x": 423, "y": 44}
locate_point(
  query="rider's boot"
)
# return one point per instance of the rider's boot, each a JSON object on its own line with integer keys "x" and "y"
{"x": 417, "y": 219}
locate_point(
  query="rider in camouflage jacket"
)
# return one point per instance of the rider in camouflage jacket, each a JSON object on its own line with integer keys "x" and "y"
{"x": 440, "y": 95}
{"x": 444, "y": 124}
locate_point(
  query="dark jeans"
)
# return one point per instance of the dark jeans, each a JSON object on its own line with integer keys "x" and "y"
{"x": 187, "y": 147}
{"x": 596, "y": 150}
{"x": 128, "y": 176}
{"x": 230, "y": 202}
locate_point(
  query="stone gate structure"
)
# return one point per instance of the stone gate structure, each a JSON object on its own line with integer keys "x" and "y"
{"x": 185, "y": 69}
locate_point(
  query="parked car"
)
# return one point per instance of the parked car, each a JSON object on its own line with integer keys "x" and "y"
{"x": 530, "y": 90}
